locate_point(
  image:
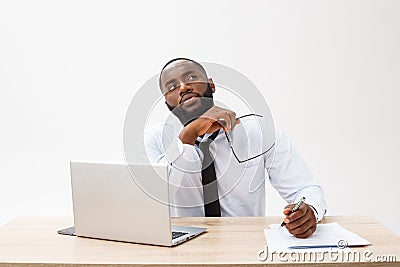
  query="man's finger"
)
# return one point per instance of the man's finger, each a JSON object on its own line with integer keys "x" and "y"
{"x": 232, "y": 117}
{"x": 288, "y": 209}
{"x": 214, "y": 127}
{"x": 291, "y": 225}
{"x": 222, "y": 122}
{"x": 298, "y": 214}
{"x": 237, "y": 121}
{"x": 227, "y": 120}
{"x": 302, "y": 228}
{"x": 307, "y": 233}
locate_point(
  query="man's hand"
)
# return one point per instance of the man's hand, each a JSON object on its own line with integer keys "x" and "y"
{"x": 212, "y": 120}
{"x": 301, "y": 223}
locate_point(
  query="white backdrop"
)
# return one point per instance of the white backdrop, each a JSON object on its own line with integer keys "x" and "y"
{"x": 329, "y": 70}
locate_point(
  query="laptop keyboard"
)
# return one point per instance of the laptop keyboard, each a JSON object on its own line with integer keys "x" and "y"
{"x": 177, "y": 234}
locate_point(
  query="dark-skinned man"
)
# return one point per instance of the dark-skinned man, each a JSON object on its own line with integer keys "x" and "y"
{"x": 216, "y": 183}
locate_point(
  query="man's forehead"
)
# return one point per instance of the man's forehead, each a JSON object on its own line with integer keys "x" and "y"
{"x": 179, "y": 67}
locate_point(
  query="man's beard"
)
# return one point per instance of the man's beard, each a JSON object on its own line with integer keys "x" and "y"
{"x": 186, "y": 117}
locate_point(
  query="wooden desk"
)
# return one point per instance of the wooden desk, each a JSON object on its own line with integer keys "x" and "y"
{"x": 229, "y": 241}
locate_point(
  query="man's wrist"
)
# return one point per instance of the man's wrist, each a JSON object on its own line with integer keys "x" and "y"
{"x": 315, "y": 212}
{"x": 188, "y": 136}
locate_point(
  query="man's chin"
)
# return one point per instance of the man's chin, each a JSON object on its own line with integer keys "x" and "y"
{"x": 190, "y": 107}
{"x": 187, "y": 112}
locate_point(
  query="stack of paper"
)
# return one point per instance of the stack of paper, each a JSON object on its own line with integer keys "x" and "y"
{"x": 330, "y": 235}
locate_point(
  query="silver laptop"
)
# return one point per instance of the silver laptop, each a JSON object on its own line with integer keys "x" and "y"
{"x": 124, "y": 203}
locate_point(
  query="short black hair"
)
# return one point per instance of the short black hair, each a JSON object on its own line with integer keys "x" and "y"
{"x": 176, "y": 59}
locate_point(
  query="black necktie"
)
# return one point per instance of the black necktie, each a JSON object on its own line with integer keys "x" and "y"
{"x": 209, "y": 179}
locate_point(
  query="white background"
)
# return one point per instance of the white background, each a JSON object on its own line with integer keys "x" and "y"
{"x": 329, "y": 70}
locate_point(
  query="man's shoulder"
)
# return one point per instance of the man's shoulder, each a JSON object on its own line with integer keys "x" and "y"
{"x": 154, "y": 128}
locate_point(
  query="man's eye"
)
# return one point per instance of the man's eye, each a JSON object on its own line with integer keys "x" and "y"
{"x": 171, "y": 88}
{"x": 191, "y": 78}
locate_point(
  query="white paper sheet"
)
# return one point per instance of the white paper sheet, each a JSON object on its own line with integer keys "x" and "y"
{"x": 330, "y": 235}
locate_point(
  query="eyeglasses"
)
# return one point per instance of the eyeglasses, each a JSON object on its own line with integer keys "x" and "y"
{"x": 187, "y": 79}
{"x": 262, "y": 131}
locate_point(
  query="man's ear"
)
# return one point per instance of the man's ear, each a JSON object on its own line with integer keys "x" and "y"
{"x": 212, "y": 85}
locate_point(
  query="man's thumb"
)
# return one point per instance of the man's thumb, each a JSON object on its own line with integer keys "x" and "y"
{"x": 288, "y": 209}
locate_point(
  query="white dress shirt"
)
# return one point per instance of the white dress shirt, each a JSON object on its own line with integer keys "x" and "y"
{"x": 241, "y": 186}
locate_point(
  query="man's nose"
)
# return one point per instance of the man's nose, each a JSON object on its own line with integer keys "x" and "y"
{"x": 184, "y": 88}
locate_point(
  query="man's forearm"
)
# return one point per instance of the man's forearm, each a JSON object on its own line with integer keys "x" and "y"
{"x": 188, "y": 136}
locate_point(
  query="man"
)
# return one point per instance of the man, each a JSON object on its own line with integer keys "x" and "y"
{"x": 204, "y": 185}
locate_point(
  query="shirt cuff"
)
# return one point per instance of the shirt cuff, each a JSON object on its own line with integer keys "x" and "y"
{"x": 315, "y": 213}
{"x": 318, "y": 212}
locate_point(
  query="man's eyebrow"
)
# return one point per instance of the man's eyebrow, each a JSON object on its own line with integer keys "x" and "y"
{"x": 187, "y": 72}
{"x": 170, "y": 81}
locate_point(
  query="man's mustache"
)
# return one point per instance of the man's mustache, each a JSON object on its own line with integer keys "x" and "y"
{"x": 191, "y": 95}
